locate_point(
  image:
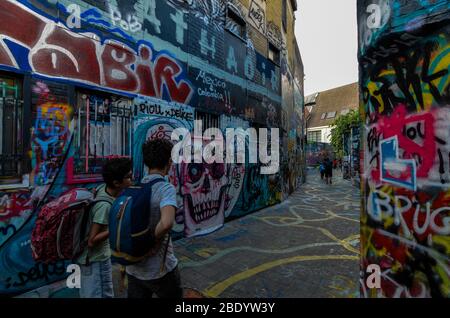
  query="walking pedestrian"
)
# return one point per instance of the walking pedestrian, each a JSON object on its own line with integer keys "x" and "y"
{"x": 158, "y": 273}
{"x": 95, "y": 260}
{"x": 328, "y": 165}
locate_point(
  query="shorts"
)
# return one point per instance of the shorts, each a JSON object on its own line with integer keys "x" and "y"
{"x": 168, "y": 286}
{"x": 96, "y": 280}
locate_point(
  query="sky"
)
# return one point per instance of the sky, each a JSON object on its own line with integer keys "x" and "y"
{"x": 326, "y": 32}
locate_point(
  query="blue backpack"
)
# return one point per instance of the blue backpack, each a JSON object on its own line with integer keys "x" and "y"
{"x": 131, "y": 234}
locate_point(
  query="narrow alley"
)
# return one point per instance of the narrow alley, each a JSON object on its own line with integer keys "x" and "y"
{"x": 308, "y": 246}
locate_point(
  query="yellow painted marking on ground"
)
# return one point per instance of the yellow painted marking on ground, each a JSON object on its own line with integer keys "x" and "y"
{"x": 320, "y": 220}
{"x": 342, "y": 285}
{"x": 342, "y": 217}
{"x": 280, "y": 221}
{"x": 183, "y": 259}
{"x": 207, "y": 252}
{"x": 330, "y": 235}
{"x": 292, "y": 221}
{"x": 327, "y": 233}
{"x": 352, "y": 238}
{"x": 219, "y": 288}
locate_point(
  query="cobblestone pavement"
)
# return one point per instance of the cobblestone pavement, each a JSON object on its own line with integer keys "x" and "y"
{"x": 308, "y": 246}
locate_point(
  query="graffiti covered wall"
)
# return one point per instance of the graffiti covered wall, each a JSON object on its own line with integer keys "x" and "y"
{"x": 352, "y": 156}
{"x": 404, "y": 55}
{"x": 82, "y": 81}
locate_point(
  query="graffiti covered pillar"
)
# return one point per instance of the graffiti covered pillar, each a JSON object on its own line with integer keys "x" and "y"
{"x": 404, "y": 56}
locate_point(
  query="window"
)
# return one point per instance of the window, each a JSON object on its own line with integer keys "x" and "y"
{"x": 208, "y": 121}
{"x": 235, "y": 23}
{"x": 324, "y": 115}
{"x": 331, "y": 115}
{"x": 12, "y": 157}
{"x": 274, "y": 54}
{"x": 314, "y": 136}
{"x": 345, "y": 111}
{"x": 99, "y": 4}
{"x": 104, "y": 128}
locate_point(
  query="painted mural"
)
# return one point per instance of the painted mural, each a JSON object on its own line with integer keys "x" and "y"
{"x": 83, "y": 81}
{"x": 352, "y": 156}
{"x": 405, "y": 104}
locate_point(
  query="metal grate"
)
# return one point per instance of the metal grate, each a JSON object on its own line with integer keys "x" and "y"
{"x": 104, "y": 130}
{"x": 208, "y": 120}
{"x": 11, "y": 119}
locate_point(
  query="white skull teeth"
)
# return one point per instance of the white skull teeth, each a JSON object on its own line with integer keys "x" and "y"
{"x": 204, "y": 210}
{"x": 203, "y": 199}
{"x": 200, "y": 198}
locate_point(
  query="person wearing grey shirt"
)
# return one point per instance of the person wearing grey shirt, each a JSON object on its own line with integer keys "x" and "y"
{"x": 158, "y": 273}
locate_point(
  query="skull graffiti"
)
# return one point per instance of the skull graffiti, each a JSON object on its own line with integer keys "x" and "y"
{"x": 204, "y": 191}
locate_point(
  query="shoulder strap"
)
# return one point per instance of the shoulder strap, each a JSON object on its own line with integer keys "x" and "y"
{"x": 95, "y": 191}
{"x": 148, "y": 187}
{"x": 153, "y": 182}
{"x": 163, "y": 264}
{"x": 103, "y": 200}
{"x": 85, "y": 231}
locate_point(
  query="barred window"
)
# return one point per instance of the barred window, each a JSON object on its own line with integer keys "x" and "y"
{"x": 314, "y": 136}
{"x": 274, "y": 54}
{"x": 208, "y": 120}
{"x": 104, "y": 130}
{"x": 235, "y": 23}
{"x": 11, "y": 139}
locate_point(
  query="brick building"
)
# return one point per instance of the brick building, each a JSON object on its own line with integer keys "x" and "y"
{"x": 324, "y": 107}
{"x": 83, "y": 80}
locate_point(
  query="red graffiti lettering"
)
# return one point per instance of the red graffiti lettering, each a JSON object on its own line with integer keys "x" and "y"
{"x": 145, "y": 74}
{"x": 422, "y": 146}
{"x": 58, "y": 52}
{"x": 116, "y": 62}
{"x": 65, "y": 54}
{"x": 13, "y": 18}
{"x": 166, "y": 70}
{"x": 416, "y": 140}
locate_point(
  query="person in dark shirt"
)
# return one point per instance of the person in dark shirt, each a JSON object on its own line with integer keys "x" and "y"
{"x": 328, "y": 164}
